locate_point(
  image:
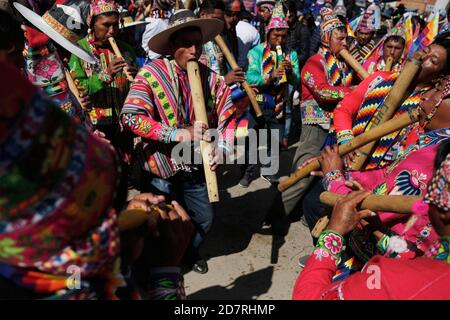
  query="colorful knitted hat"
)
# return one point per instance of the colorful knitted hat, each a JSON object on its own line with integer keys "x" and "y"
{"x": 395, "y": 31}
{"x": 328, "y": 24}
{"x": 340, "y": 9}
{"x": 278, "y": 20}
{"x": 57, "y": 185}
{"x": 438, "y": 192}
{"x": 103, "y": 6}
{"x": 370, "y": 19}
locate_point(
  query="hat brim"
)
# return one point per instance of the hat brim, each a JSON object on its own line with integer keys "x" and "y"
{"x": 39, "y": 23}
{"x": 209, "y": 28}
{"x": 132, "y": 24}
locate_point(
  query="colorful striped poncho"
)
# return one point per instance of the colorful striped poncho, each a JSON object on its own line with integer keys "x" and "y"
{"x": 354, "y": 115}
{"x": 361, "y": 53}
{"x": 261, "y": 62}
{"x": 160, "y": 101}
{"x": 325, "y": 81}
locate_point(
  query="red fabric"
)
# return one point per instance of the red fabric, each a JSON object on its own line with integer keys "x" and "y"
{"x": 403, "y": 279}
{"x": 348, "y": 108}
{"x": 35, "y": 38}
{"x": 316, "y": 66}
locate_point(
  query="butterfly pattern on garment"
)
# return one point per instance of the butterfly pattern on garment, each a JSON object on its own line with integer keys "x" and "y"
{"x": 409, "y": 183}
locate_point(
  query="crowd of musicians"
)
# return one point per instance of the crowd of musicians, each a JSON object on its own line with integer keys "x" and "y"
{"x": 98, "y": 97}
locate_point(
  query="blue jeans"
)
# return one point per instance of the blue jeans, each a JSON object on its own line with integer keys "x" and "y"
{"x": 312, "y": 207}
{"x": 189, "y": 189}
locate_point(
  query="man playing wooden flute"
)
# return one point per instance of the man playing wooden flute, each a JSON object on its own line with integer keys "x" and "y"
{"x": 363, "y": 44}
{"x": 272, "y": 67}
{"x": 159, "y": 109}
{"x": 325, "y": 80}
{"x": 393, "y": 47}
{"x": 107, "y": 85}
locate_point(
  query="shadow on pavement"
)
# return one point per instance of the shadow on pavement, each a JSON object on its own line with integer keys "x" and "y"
{"x": 246, "y": 287}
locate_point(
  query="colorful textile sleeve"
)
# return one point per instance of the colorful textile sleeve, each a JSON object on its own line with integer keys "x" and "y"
{"x": 316, "y": 277}
{"x": 322, "y": 91}
{"x": 166, "y": 284}
{"x": 331, "y": 176}
{"x": 294, "y": 79}
{"x": 226, "y": 113}
{"x": 254, "y": 73}
{"x": 138, "y": 113}
{"x": 94, "y": 83}
{"x": 348, "y": 108}
{"x": 344, "y": 136}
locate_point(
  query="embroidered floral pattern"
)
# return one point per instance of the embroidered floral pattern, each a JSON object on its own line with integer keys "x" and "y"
{"x": 46, "y": 68}
{"x": 332, "y": 242}
{"x": 410, "y": 183}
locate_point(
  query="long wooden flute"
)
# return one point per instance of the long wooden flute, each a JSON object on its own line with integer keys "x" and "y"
{"x": 355, "y": 65}
{"x": 395, "y": 98}
{"x": 119, "y": 54}
{"x": 134, "y": 218}
{"x": 200, "y": 115}
{"x": 232, "y": 61}
{"x": 72, "y": 86}
{"x": 388, "y": 65}
{"x": 376, "y": 133}
{"x": 398, "y": 204}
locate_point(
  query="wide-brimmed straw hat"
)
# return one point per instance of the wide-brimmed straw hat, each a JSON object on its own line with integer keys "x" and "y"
{"x": 182, "y": 19}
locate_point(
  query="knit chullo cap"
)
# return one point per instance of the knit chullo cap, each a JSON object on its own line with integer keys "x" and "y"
{"x": 57, "y": 185}
{"x": 340, "y": 9}
{"x": 278, "y": 20}
{"x": 367, "y": 23}
{"x": 328, "y": 24}
{"x": 103, "y": 6}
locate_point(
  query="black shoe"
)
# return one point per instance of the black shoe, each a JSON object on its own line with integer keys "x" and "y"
{"x": 271, "y": 179}
{"x": 245, "y": 181}
{"x": 200, "y": 266}
{"x": 303, "y": 260}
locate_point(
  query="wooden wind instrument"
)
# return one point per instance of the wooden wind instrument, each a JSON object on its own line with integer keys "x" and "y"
{"x": 376, "y": 133}
{"x": 397, "y": 95}
{"x": 398, "y": 204}
{"x": 187, "y": 4}
{"x": 134, "y": 218}
{"x": 119, "y": 54}
{"x": 355, "y": 65}
{"x": 388, "y": 65}
{"x": 230, "y": 58}
{"x": 200, "y": 115}
{"x": 72, "y": 86}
